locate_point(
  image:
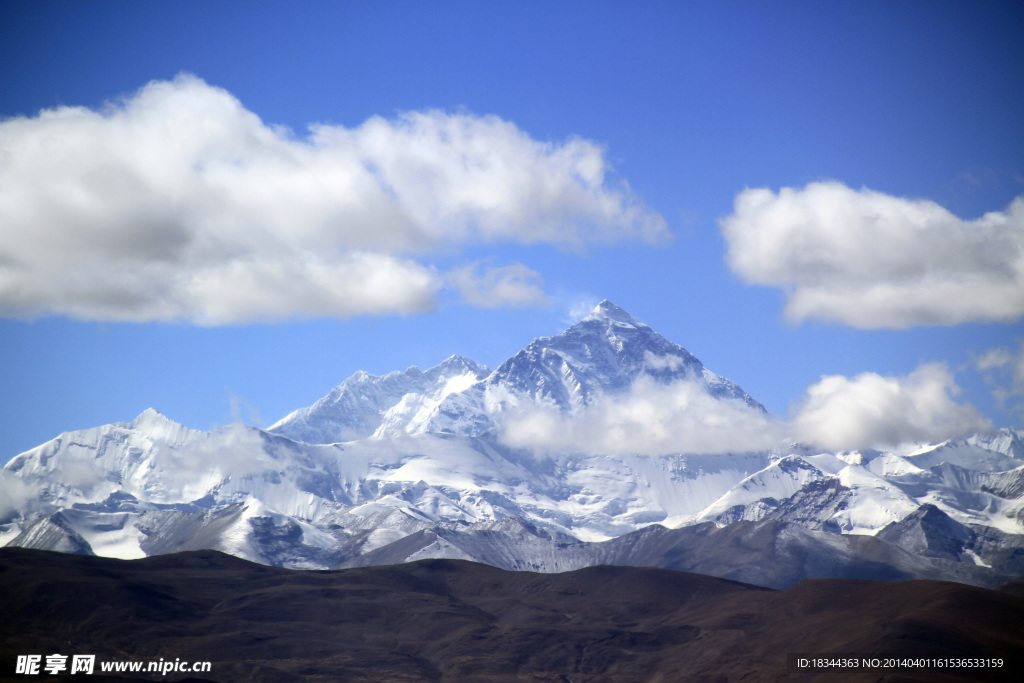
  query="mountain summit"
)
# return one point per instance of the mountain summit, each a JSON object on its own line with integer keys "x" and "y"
{"x": 606, "y": 310}
{"x": 603, "y": 353}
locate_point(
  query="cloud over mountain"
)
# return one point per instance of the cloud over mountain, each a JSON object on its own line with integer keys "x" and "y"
{"x": 871, "y": 260}
{"x": 837, "y": 413}
{"x": 176, "y": 202}
{"x": 650, "y": 418}
{"x": 872, "y": 411}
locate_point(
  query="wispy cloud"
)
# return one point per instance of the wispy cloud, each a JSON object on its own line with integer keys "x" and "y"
{"x": 871, "y": 260}
{"x": 243, "y": 412}
{"x": 580, "y": 308}
{"x": 17, "y": 496}
{"x": 177, "y": 202}
{"x": 1002, "y": 368}
{"x": 513, "y": 286}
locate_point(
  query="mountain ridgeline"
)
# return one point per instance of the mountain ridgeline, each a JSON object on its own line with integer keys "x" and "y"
{"x": 416, "y": 465}
{"x": 604, "y": 353}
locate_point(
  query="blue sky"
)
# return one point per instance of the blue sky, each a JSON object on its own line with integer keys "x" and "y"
{"x": 906, "y": 115}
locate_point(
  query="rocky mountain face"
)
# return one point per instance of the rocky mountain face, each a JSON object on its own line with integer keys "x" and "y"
{"x": 414, "y": 465}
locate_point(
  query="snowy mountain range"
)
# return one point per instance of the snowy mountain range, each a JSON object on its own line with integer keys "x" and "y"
{"x": 604, "y": 353}
{"x": 445, "y": 463}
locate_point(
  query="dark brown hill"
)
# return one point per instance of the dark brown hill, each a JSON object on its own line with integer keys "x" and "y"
{"x": 447, "y": 620}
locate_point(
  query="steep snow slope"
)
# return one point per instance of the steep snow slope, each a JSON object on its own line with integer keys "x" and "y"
{"x": 365, "y": 404}
{"x": 604, "y": 352}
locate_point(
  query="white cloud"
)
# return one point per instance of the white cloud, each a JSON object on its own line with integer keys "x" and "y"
{"x": 17, "y": 497}
{"x": 234, "y": 450}
{"x": 837, "y": 413}
{"x": 650, "y": 419}
{"x": 998, "y": 357}
{"x": 243, "y": 412}
{"x": 580, "y": 309}
{"x": 178, "y": 203}
{"x": 653, "y": 361}
{"x": 872, "y": 411}
{"x": 871, "y": 260}
{"x": 514, "y": 286}
{"x": 1003, "y": 370}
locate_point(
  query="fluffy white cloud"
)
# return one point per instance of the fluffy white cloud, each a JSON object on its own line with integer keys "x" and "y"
{"x": 514, "y": 285}
{"x": 872, "y": 411}
{"x": 178, "y": 203}
{"x": 836, "y": 414}
{"x": 872, "y": 260}
{"x": 651, "y": 419}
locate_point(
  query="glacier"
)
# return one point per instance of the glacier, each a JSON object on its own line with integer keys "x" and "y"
{"x": 416, "y": 464}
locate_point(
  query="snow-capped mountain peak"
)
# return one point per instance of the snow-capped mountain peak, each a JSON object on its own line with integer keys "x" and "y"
{"x": 365, "y": 405}
{"x": 157, "y": 425}
{"x": 606, "y": 310}
{"x": 605, "y": 352}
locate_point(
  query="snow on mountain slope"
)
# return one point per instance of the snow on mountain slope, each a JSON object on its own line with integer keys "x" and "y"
{"x": 417, "y": 458}
{"x": 603, "y": 353}
{"x": 763, "y": 490}
{"x": 997, "y": 452}
{"x": 307, "y": 505}
{"x": 89, "y": 465}
{"x": 365, "y": 404}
